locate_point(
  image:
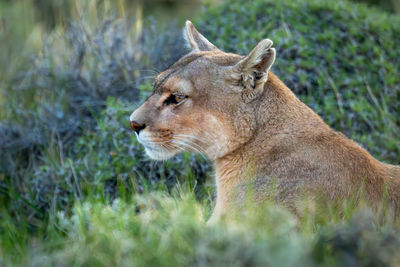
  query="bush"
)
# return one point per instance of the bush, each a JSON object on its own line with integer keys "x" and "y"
{"x": 54, "y": 106}
{"x": 161, "y": 230}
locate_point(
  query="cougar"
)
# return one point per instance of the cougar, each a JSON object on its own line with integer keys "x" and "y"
{"x": 235, "y": 111}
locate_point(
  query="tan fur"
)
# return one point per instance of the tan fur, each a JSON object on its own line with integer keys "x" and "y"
{"x": 255, "y": 130}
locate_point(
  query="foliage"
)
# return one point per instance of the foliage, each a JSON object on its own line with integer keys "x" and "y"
{"x": 160, "y": 230}
{"x": 54, "y": 105}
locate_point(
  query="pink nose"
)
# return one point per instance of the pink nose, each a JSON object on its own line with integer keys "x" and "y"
{"x": 136, "y": 126}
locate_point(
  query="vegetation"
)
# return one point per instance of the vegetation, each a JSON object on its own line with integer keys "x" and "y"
{"x": 77, "y": 190}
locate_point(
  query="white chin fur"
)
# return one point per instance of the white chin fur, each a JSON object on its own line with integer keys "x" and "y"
{"x": 159, "y": 154}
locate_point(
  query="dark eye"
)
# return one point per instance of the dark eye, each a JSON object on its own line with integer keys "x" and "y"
{"x": 174, "y": 99}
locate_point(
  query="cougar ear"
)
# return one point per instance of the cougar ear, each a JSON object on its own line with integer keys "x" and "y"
{"x": 195, "y": 40}
{"x": 253, "y": 69}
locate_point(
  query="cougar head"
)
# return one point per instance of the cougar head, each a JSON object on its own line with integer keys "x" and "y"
{"x": 205, "y": 102}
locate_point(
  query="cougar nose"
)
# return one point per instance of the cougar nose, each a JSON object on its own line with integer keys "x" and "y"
{"x": 137, "y": 127}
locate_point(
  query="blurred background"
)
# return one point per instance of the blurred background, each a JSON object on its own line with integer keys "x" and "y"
{"x": 23, "y": 21}
{"x": 71, "y": 72}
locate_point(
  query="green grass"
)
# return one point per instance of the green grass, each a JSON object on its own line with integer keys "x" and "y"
{"x": 77, "y": 190}
{"x": 158, "y": 229}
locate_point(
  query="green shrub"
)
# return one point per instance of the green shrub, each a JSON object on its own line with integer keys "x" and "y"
{"x": 53, "y": 106}
{"x": 161, "y": 230}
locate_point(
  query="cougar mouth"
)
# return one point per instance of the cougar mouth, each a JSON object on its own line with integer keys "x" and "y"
{"x": 156, "y": 150}
{"x": 159, "y": 153}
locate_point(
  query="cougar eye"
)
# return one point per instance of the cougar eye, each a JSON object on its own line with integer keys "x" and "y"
{"x": 174, "y": 99}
